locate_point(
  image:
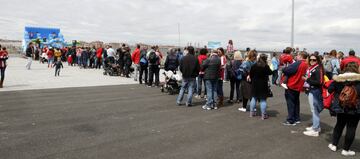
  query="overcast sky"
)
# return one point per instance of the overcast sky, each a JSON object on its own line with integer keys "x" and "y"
{"x": 263, "y": 24}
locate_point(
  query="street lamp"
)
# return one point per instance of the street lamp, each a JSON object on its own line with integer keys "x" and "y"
{"x": 292, "y": 23}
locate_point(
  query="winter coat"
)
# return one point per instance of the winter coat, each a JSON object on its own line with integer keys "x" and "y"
{"x": 189, "y": 66}
{"x": 234, "y": 65}
{"x": 3, "y": 57}
{"x": 295, "y": 72}
{"x": 127, "y": 59}
{"x": 211, "y": 67}
{"x": 135, "y": 57}
{"x": 171, "y": 62}
{"x": 315, "y": 77}
{"x": 259, "y": 76}
{"x": 339, "y": 83}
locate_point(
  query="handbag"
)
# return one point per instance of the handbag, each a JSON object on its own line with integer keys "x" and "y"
{"x": 270, "y": 93}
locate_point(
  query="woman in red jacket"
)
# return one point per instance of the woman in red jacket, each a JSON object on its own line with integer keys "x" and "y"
{"x": 3, "y": 57}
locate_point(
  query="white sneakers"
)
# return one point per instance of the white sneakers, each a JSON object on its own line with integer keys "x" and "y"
{"x": 311, "y": 132}
{"x": 310, "y": 128}
{"x": 343, "y": 152}
{"x": 242, "y": 109}
{"x": 347, "y": 153}
{"x": 332, "y": 147}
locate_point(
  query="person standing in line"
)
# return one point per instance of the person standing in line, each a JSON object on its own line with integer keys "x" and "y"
{"x": 127, "y": 62}
{"x": 295, "y": 73}
{"x": 110, "y": 54}
{"x": 220, "y": 90}
{"x": 259, "y": 78}
{"x": 29, "y": 55}
{"x": 245, "y": 83}
{"x": 350, "y": 58}
{"x": 154, "y": 63}
{"x": 200, "y": 79}
{"x": 189, "y": 67}
{"x": 211, "y": 67}
{"x": 135, "y": 57}
{"x": 275, "y": 67}
{"x": 99, "y": 59}
{"x": 3, "y": 57}
{"x": 144, "y": 63}
{"x": 346, "y": 106}
{"x": 234, "y": 81}
{"x": 314, "y": 79}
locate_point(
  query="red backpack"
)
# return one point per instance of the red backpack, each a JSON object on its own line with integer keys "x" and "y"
{"x": 327, "y": 97}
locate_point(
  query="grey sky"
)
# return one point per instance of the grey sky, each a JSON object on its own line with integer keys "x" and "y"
{"x": 264, "y": 24}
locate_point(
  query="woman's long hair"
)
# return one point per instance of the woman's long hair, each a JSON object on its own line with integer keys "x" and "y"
{"x": 262, "y": 61}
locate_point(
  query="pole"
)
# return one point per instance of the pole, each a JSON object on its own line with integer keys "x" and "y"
{"x": 292, "y": 23}
{"x": 179, "y": 34}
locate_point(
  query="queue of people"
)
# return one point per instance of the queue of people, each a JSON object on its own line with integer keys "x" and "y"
{"x": 301, "y": 72}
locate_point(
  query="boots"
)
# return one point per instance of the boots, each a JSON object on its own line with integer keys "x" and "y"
{"x": 1, "y": 83}
{"x": 221, "y": 101}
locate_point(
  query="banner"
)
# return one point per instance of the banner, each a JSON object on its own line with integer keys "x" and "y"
{"x": 214, "y": 44}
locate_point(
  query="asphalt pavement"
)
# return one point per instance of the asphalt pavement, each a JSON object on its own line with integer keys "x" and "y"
{"x": 133, "y": 122}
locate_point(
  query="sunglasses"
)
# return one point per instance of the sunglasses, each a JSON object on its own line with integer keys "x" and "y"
{"x": 313, "y": 60}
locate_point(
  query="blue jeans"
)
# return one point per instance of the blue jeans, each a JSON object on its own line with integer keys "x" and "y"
{"x": 316, "y": 107}
{"x": 275, "y": 76}
{"x": 220, "y": 91}
{"x": 262, "y": 105}
{"x": 211, "y": 89}
{"x": 293, "y": 105}
{"x": 187, "y": 83}
{"x": 200, "y": 81}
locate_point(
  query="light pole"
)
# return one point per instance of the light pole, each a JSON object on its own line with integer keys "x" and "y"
{"x": 292, "y": 23}
{"x": 179, "y": 34}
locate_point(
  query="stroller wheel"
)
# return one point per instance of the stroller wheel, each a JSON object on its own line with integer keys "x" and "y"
{"x": 105, "y": 73}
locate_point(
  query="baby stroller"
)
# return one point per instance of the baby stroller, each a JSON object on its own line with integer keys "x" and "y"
{"x": 171, "y": 84}
{"x": 111, "y": 69}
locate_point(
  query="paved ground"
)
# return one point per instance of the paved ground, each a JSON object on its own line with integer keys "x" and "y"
{"x": 132, "y": 121}
{"x": 41, "y": 77}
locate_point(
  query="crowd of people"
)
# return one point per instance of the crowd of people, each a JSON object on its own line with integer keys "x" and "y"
{"x": 248, "y": 75}
{"x": 296, "y": 71}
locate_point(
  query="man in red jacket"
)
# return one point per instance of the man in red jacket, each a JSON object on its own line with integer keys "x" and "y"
{"x": 98, "y": 59}
{"x": 135, "y": 57}
{"x": 350, "y": 58}
{"x": 295, "y": 73}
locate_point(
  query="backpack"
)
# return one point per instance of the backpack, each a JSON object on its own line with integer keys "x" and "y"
{"x": 243, "y": 70}
{"x": 153, "y": 58}
{"x": 143, "y": 61}
{"x": 328, "y": 66}
{"x": 327, "y": 97}
{"x": 348, "y": 96}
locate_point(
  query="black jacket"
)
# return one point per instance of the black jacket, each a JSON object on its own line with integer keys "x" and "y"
{"x": 259, "y": 81}
{"x": 171, "y": 63}
{"x": 337, "y": 86}
{"x": 29, "y": 51}
{"x": 316, "y": 78}
{"x": 189, "y": 66}
{"x": 211, "y": 67}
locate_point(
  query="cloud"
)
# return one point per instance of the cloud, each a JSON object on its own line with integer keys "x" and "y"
{"x": 320, "y": 25}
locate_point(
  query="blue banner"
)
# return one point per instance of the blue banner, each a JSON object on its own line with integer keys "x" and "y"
{"x": 214, "y": 44}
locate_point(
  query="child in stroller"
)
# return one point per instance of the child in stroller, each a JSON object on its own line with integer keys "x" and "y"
{"x": 171, "y": 84}
{"x": 111, "y": 69}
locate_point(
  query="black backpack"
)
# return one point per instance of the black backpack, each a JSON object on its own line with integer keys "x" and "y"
{"x": 153, "y": 58}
